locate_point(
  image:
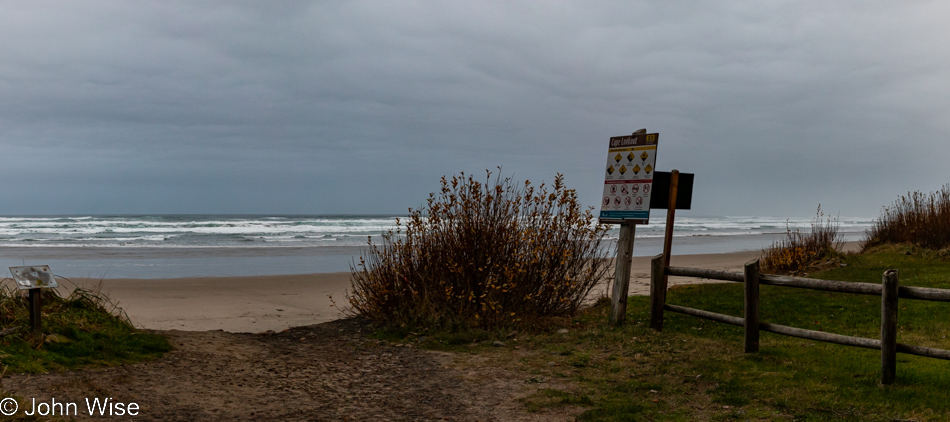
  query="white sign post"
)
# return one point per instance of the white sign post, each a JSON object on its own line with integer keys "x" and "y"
{"x": 628, "y": 181}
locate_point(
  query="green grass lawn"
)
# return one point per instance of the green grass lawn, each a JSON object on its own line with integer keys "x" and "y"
{"x": 696, "y": 369}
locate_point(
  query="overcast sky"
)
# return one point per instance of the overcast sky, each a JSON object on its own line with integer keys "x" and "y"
{"x": 360, "y": 107}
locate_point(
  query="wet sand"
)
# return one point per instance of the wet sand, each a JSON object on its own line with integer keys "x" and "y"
{"x": 261, "y": 303}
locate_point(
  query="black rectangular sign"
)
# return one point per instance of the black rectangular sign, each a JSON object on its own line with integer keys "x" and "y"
{"x": 660, "y": 197}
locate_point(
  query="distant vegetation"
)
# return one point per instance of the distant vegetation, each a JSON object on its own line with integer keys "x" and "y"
{"x": 483, "y": 254}
{"x": 82, "y": 329}
{"x": 800, "y": 251}
{"x": 917, "y": 218}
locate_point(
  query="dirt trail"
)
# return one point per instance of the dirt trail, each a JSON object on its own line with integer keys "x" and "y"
{"x": 322, "y": 372}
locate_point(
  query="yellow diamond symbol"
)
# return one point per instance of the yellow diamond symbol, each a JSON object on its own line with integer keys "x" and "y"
{"x": 644, "y": 156}
{"x": 610, "y": 170}
{"x": 618, "y": 157}
{"x": 636, "y": 169}
{"x": 649, "y": 168}
{"x": 630, "y": 156}
{"x": 623, "y": 169}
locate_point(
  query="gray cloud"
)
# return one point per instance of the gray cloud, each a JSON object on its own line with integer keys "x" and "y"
{"x": 359, "y": 107}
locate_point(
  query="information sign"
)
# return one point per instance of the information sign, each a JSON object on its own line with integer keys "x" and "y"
{"x": 628, "y": 179}
{"x": 33, "y": 277}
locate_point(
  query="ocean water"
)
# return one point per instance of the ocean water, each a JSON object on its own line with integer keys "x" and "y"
{"x": 164, "y": 246}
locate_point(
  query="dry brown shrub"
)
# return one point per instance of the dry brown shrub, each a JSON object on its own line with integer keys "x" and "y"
{"x": 483, "y": 254}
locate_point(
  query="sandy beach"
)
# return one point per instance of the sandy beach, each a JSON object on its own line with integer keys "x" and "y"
{"x": 261, "y": 303}
{"x": 235, "y": 304}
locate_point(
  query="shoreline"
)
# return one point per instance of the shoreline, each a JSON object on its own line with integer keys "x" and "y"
{"x": 175, "y": 262}
{"x": 260, "y": 303}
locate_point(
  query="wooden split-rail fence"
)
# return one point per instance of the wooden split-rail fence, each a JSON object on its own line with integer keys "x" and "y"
{"x": 888, "y": 290}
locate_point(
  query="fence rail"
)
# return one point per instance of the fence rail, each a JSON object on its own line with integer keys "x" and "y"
{"x": 905, "y": 292}
{"x": 889, "y": 291}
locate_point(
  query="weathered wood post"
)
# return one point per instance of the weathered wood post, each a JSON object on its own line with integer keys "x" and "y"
{"x": 889, "y": 327}
{"x": 36, "y": 307}
{"x": 752, "y": 306}
{"x": 657, "y": 292}
{"x": 621, "y": 288}
{"x": 658, "y": 287}
{"x": 670, "y": 217}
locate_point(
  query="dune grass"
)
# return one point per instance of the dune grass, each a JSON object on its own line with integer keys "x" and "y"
{"x": 917, "y": 218}
{"x": 696, "y": 369}
{"x": 800, "y": 251}
{"x": 80, "y": 330}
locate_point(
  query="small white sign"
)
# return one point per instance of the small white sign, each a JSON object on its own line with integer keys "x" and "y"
{"x": 33, "y": 277}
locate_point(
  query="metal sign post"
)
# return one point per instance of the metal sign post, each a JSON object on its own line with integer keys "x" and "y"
{"x": 34, "y": 278}
{"x": 628, "y": 180}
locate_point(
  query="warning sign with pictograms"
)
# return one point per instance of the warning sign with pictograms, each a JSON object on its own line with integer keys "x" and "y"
{"x": 628, "y": 177}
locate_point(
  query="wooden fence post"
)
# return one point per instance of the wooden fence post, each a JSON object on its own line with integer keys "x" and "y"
{"x": 618, "y": 299}
{"x": 752, "y": 306}
{"x": 657, "y": 292}
{"x": 889, "y": 327}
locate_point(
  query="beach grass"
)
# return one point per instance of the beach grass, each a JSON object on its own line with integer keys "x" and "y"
{"x": 696, "y": 369}
{"x": 80, "y": 330}
{"x": 800, "y": 251}
{"x": 918, "y": 218}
